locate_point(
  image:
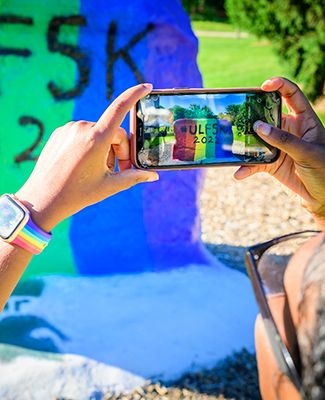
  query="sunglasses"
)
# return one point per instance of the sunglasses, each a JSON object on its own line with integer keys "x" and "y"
{"x": 266, "y": 264}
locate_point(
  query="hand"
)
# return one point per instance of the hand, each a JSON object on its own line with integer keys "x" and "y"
{"x": 301, "y": 165}
{"x": 76, "y": 166}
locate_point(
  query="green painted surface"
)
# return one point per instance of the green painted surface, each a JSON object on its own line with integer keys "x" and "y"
{"x": 201, "y": 145}
{"x": 9, "y": 353}
{"x": 24, "y": 92}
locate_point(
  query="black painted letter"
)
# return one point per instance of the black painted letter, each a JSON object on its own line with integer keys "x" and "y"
{"x": 113, "y": 56}
{"x": 14, "y": 19}
{"x": 68, "y": 50}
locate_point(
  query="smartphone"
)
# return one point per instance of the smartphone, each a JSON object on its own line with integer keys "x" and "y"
{"x": 187, "y": 128}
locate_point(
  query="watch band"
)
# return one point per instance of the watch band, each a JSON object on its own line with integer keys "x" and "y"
{"x": 32, "y": 238}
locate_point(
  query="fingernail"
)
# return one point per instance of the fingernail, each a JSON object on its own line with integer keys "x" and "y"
{"x": 239, "y": 175}
{"x": 267, "y": 82}
{"x": 262, "y": 127}
{"x": 147, "y": 86}
{"x": 243, "y": 172}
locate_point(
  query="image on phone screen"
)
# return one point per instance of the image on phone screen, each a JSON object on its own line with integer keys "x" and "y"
{"x": 200, "y": 129}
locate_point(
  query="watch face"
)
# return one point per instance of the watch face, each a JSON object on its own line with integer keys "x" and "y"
{"x": 11, "y": 215}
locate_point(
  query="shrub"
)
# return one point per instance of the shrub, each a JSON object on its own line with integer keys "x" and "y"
{"x": 205, "y": 9}
{"x": 297, "y": 30}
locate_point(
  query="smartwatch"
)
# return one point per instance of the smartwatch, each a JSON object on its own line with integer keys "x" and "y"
{"x": 17, "y": 227}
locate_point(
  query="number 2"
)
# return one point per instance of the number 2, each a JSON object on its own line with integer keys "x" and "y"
{"x": 26, "y": 155}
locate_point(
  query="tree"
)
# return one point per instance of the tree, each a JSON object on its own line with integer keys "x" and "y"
{"x": 178, "y": 112}
{"x": 232, "y": 111}
{"x": 205, "y": 9}
{"x": 241, "y": 119}
{"x": 194, "y": 111}
{"x": 224, "y": 116}
{"x": 297, "y": 31}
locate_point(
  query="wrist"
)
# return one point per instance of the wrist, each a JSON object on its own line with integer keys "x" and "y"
{"x": 18, "y": 228}
{"x": 39, "y": 213}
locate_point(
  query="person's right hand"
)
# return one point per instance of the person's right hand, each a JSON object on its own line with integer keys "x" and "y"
{"x": 77, "y": 165}
{"x": 301, "y": 165}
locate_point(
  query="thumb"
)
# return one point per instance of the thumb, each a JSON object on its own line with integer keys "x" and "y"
{"x": 285, "y": 141}
{"x": 125, "y": 179}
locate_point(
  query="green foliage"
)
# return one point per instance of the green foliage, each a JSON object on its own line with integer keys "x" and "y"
{"x": 178, "y": 112}
{"x": 193, "y": 111}
{"x": 232, "y": 111}
{"x": 225, "y": 116}
{"x": 236, "y": 114}
{"x": 241, "y": 119}
{"x": 205, "y": 9}
{"x": 297, "y": 30}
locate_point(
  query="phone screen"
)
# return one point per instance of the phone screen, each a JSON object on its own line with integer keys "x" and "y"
{"x": 189, "y": 129}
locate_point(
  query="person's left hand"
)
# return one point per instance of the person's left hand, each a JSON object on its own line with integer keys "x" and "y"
{"x": 301, "y": 164}
{"x": 76, "y": 166}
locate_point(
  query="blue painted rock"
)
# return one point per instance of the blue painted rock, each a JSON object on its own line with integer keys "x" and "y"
{"x": 150, "y": 227}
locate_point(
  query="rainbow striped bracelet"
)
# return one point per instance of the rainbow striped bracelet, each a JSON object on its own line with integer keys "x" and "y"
{"x": 32, "y": 238}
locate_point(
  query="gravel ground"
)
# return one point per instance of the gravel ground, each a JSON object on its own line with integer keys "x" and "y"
{"x": 236, "y": 214}
{"x": 233, "y": 378}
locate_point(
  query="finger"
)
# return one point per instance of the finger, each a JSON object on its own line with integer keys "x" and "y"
{"x": 116, "y": 112}
{"x": 246, "y": 171}
{"x": 293, "y": 96}
{"x": 121, "y": 146}
{"x": 283, "y": 140}
{"x": 111, "y": 159}
{"x": 120, "y": 181}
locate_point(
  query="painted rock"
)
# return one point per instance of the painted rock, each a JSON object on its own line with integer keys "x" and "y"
{"x": 62, "y": 61}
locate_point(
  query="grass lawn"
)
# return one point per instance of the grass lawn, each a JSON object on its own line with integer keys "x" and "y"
{"x": 220, "y": 26}
{"x": 228, "y": 62}
{"x": 233, "y": 62}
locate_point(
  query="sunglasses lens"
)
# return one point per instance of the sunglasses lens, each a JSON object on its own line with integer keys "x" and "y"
{"x": 273, "y": 263}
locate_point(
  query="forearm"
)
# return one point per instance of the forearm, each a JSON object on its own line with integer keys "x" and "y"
{"x": 13, "y": 258}
{"x": 13, "y": 262}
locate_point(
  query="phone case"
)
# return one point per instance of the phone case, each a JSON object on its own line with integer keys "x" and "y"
{"x": 133, "y": 126}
